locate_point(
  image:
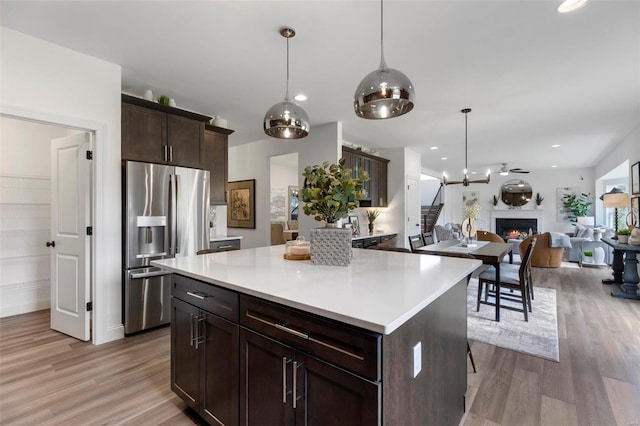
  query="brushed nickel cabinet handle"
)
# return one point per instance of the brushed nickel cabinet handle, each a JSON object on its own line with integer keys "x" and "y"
{"x": 196, "y": 295}
{"x": 291, "y": 331}
{"x": 199, "y": 335}
{"x": 191, "y": 339}
{"x": 284, "y": 379}
{"x": 295, "y": 385}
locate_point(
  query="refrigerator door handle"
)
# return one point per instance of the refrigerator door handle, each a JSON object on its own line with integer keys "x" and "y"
{"x": 172, "y": 214}
{"x": 141, "y": 275}
{"x": 176, "y": 207}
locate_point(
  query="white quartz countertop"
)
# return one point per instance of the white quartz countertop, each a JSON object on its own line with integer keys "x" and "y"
{"x": 378, "y": 291}
{"x": 375, "y": 234}
{"x": 224, "y": 238}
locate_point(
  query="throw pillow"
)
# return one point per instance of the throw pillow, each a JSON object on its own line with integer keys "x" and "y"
{"x": 580, "y": 231}
{"x": 588, "y": 233}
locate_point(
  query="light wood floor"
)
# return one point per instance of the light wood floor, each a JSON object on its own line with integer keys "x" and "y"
{"x": 49, "y": 378}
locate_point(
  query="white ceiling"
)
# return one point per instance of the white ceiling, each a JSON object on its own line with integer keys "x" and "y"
{"x": 532, "y": 76}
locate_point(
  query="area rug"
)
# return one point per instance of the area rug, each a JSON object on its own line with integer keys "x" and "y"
{"x": 538, "y": 336}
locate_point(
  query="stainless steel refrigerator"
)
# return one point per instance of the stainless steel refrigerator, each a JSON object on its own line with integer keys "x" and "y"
{"x": 165, "y": 214}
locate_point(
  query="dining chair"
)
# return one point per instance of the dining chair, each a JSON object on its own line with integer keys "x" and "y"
{"x": 491, "y": 237}
{"x": 427, "y": 238}
{"x": 510, "y": 280}
{"x": 415, "y": 242}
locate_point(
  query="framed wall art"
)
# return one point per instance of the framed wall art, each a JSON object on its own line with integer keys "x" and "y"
{"x": 241, "y": 212}
{"x": 355, "y": 224}
{"x": 635, "y": 178}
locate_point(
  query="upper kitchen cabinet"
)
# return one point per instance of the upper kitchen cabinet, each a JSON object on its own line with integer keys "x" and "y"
{"x": 215, "y": 159}
{"x": 376, "y": 187}
{"x": 156, "y": 133}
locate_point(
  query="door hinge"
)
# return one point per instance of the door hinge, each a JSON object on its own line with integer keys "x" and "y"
{"x": 89, "y": 155}
{"x": 89, "y": 306}
{"x": 89, "y": 230}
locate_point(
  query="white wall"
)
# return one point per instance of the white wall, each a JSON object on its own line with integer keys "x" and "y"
{"x": 49, "y": 83}
{"x": 627, "y": 149}
{"x": 25, "y": 214}
{"x": 428, "y": 190}
{"x": 251, "y": 161}
{"x": 546, "y": 182}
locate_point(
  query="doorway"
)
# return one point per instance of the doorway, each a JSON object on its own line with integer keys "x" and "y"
{"x": 26, "y": 222}
{"x": 283, "y": 210}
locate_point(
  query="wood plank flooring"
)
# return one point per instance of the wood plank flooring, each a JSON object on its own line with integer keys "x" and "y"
{"x": 47, "y": 378}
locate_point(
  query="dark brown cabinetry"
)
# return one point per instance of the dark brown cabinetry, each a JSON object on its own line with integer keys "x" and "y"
{"x": 159, "y": 134}
{"x": 204, "y": 349}
{"x": 372, "y": 241}
{"x": 283, "y": 384}
{"x": 376, "y": 168}
{"x": 215, "y": 159}
{"x": 238, "y": 359}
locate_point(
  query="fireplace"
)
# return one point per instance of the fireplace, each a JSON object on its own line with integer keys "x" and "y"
{"x": 514, "y": 228}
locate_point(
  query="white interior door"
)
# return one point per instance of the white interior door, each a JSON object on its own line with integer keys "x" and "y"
{"x": 70, "y": 245}
{"x": 413, "y": 206}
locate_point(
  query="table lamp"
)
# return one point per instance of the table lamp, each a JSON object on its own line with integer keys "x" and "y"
{"x": 615, "y": 199}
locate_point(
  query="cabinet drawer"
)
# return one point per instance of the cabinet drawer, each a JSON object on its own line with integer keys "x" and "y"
{"x": 347, "y": 347}
{"x": 225, "y": 245}
{"x": 212, "y": 299}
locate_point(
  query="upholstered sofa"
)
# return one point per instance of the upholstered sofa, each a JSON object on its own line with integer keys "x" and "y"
{"x": 585, "y": 233}
{"x": 543, "y": 256}
{"x": 450, "y": 231}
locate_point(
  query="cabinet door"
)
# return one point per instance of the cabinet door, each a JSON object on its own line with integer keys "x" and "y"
{"x": 381, "y": 178}
{"x": 185, "y": 358}
{"x": 215, "y": 160}
{"x": 184, "y": 137}
{"x": 143, "y": 134}
{"x": 220, "y": 372}
{"x": 328, "y": 395}
{"x": 265, "y": 381}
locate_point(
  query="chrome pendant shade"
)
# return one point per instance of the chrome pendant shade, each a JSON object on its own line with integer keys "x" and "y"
{"x": 385, "y": 92}
{"x": 286, "y": 119}
{"x": 465, "y": 180}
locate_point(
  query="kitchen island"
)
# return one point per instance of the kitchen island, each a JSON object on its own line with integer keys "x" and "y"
{"x": 257, "y": 339}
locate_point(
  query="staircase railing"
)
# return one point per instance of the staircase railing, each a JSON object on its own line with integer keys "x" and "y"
{"x": 431, "y": 213}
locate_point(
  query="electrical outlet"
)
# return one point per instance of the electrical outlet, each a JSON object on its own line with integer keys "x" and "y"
{"x": 417, "y": 359}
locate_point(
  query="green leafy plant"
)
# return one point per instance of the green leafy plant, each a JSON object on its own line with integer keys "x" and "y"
{"x": 494, "y": 200}
{"x": 588, "y": 253}
{"x": 372, "y": 215}
{"x": 472, "y": 212}
{"x": 578, "y": 205}
{"x": 163, "y": 100}
{"x": 539, "y": 199}
{"x": 623, "y": 231}
{"x": 330, "y": 192}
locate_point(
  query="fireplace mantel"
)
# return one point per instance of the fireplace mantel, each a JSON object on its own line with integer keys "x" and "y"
{"x": 517, "y": 214}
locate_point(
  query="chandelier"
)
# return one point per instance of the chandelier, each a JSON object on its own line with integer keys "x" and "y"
{"x": 465, "y": 181}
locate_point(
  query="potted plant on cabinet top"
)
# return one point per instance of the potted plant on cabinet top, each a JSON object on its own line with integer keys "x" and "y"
{"x": 623, "y": 235}
{"x": 538, "y": 200}
{"x": 329, "y": 194}
{"x": 372, "y": 215}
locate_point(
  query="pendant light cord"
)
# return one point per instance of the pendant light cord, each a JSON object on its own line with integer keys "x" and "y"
{"x": 383, "y": 64}
{"x": 286, "y": 93}
{"x": 465, "y": 143}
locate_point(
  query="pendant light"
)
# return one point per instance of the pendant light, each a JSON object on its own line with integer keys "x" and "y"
{"x": 465, "y": 181}
{"x": 286, "y": 119}
{"x": 385, "y": 92}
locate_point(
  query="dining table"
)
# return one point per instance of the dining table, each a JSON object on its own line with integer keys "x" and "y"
{"x": 488, "y": 252}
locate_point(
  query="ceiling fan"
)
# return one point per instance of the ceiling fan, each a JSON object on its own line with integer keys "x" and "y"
{"x": 505, "y": 170}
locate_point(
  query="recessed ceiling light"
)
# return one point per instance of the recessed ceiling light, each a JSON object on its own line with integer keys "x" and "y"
{"x": 444, "y": 158}
{"x": 571, "y": 5}
{"x": 553, "y": 167}
{"x": 555, "y": 146}
{"x": 300, "y": 97}
{"x": 473, "y": 173}
{"x": 433, "y": 148}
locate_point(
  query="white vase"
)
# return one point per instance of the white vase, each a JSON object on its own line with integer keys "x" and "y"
{"x": 598, "y": 255}
{"x": 622, "y": 239}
